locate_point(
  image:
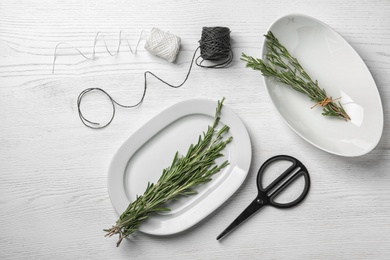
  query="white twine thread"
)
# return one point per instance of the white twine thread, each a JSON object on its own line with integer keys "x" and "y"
{"x": 163, "y": 44}
{"x": 159, "y": 43}
{"x": 94, "y": 47}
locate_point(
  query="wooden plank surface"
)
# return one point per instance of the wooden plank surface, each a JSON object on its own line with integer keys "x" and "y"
{"x": 53, "y": 170}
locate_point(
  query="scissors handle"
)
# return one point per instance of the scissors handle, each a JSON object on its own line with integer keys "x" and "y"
{"x": 296, "y": 170}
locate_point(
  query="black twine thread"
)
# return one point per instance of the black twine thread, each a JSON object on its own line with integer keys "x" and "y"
{"x": 214, "y": 46}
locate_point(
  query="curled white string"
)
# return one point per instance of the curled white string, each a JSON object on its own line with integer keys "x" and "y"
{"x": 94, "y": 47}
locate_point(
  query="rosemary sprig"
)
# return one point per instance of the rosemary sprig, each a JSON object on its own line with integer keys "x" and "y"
{"x": 281, "y": 65}
{"x": 179, "y": 179}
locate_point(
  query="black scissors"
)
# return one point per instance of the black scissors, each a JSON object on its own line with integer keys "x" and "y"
{"x": 267, "y": 195}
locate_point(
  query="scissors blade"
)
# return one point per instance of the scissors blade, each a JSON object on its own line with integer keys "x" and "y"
{"x": 252, "y": 208}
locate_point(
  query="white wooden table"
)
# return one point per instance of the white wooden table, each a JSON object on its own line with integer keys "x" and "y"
{"x": 53, "y": 170}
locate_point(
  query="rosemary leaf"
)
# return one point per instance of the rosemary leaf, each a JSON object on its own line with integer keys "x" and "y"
{"x": 179, "y": 179}
{"x": 285, "y": 68}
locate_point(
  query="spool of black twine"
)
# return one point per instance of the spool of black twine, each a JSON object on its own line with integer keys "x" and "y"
{"x": 215, "y": 48}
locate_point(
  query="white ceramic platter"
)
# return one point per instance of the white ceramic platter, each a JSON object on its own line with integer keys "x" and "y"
{"x": 328, "y": 58}
{"x": 151, "y": 149}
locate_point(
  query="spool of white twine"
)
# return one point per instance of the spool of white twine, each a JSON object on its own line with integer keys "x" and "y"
{"x": 163, "y": 44}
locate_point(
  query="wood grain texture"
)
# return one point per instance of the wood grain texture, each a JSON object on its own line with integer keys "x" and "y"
{"x": 53, "y": 170}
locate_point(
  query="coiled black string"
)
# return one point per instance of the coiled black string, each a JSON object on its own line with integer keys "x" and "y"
{"x": 214, "y": 47}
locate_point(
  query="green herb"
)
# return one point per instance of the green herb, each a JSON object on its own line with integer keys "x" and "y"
{"x": 285, "y": 68}
{"x": 185, "y": 173}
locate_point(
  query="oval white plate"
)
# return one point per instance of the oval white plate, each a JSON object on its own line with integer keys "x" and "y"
{"x": 328, "y": 58}
{"x": 151, "y": 149}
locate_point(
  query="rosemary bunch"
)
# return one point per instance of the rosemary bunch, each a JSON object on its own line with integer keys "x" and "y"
{"x": 281, "y": 65}
{"x": 179, "y": 179}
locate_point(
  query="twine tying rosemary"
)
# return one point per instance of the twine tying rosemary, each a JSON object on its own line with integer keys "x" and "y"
{"x": 325, "y": 102}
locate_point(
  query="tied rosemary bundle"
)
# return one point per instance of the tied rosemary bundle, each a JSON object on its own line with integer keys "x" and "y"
{"x": 281, "y": 65}
{"x": 179, "y": 179}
